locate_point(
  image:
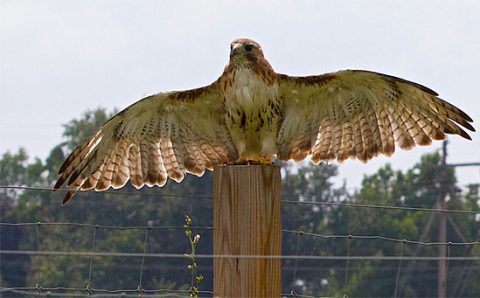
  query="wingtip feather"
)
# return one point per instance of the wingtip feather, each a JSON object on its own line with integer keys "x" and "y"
{"x": 67, "y": 197}
{"x": 59, "y": 183}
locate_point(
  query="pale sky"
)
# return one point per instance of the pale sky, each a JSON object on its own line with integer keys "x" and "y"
{"x": 61, "y": 58}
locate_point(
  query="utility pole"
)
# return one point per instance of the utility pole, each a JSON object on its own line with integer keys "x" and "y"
{"x": 442, "y": 225}
{"x": 443, "y": 218}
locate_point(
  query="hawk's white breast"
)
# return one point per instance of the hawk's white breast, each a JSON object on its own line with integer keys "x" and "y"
{"x": 252, "y": 113}
{"x": 249, "y": 90}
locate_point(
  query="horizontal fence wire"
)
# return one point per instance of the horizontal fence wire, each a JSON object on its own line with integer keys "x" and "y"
{"x": 210, "y": 197}
{"x": 120, "y": 192}
{"x": 50, "y": 292}
{"x": 286, "y": 231}
{"x": 208, "y": 256}
{"x": 102, "y": 226}
{"x": 300, "y": 232}
{"x": 94, "y": 292}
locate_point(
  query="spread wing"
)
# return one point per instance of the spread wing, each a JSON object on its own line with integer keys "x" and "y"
{"x": 360, "y": 114}
{"x": 160, "y": 136}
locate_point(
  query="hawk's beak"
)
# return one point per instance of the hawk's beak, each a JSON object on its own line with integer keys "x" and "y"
{"x": 235, "y": 49}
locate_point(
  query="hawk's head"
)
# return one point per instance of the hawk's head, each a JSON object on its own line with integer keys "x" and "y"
{"x": 245, "y": 50}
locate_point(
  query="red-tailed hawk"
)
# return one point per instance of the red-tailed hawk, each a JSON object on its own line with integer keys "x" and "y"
{"x": 252, "y": 114}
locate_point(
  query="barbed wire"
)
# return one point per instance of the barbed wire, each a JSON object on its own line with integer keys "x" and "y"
{"x": 102, "y": 226}
{"x": 96, "y": 292}
{"x": 378, "y": 237}
{"x": 209, "y": 197}
{"x": 49, "y": 292}
{"x": 299, "y": 232}
{"x": 355, "y": 205}
{"x": 211, "y": 256}
{"x": 288, "y": 231}
{"x": 120, "y": 192}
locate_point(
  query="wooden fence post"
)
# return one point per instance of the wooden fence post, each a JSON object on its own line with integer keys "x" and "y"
{"x": 247, "y": 221}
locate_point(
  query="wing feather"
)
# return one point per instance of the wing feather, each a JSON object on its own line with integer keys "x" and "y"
{"x": 195, "y": 159}
{"x": 358, "y": 138}
{"x": 121, "y": 172}
{"x": 400, "y": 130}
{"x": 374, "y": 124}
{"x": 107, "y": 173}
{"x": 334, "y": 148}
{"x": 135, "y": 165}
{"x": 324, "y": 142}
{"x": 161, "y": 136}
{"x": 347, "y": 149}
{"x": 360, "y": 114}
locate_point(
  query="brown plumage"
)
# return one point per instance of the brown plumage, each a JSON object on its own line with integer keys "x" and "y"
{"x": 253, "y": 114}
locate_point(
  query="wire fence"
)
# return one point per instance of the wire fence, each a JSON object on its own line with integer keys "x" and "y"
{"x": 39, "y": 290}
{"x": 407, "y": 251}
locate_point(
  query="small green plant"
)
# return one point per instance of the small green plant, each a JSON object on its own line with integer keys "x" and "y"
{"x": 196, "y": 278}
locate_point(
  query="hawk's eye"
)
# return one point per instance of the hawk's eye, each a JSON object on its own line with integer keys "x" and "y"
{"x": 248, "y": 47}
{"x": 231, "y": 46}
